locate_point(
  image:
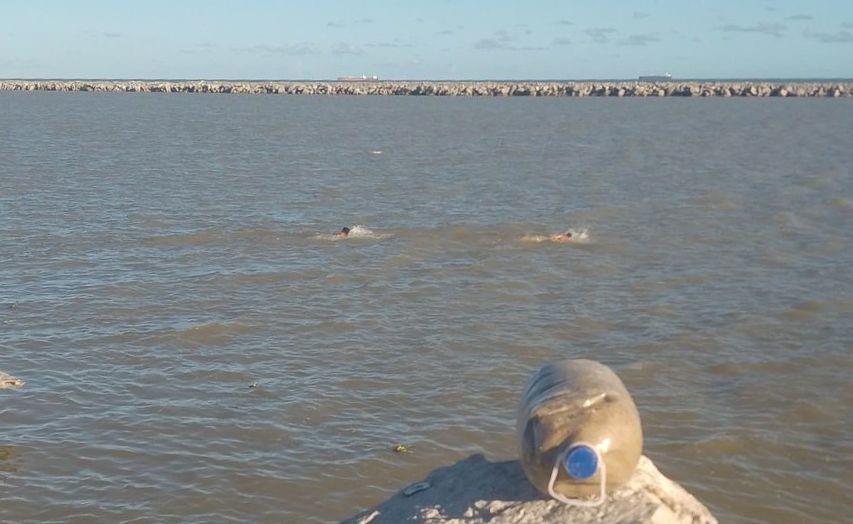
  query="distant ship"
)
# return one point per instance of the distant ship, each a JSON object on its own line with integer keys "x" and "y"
{"x": 666, "y": 77}
{"x": 362, "y": 78}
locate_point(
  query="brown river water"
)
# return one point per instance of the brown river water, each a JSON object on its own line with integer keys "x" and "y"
{"x": 160, "y": 254}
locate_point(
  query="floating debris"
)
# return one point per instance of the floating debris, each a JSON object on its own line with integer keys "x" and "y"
{"x": 10, "y": 382}
{"x": 367, "y": 519}
{"x": 416, "y": 488}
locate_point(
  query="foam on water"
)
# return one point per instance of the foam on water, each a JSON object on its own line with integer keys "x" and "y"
{"x": 579, "y": 236}
{"x": 363, "y": 232}
{"x": 355, "y": 232}
{"x": 534, "y": 238}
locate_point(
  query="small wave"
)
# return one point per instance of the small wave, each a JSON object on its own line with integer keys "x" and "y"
{"x": 805, "y": 311}
{"x": 209, "y": 334}
{"x": 841, "y": 203}
{"x": 376, "y": 152}
{"x": 579, "y": 236}
{"x": 363, "y": 232}
{"x": 258, "y": 234}
{"x": 184, "y": 240}
{"x": 717, "y": 445}
{"x": 265, "y": 277}
{"x": 715, "y": 201}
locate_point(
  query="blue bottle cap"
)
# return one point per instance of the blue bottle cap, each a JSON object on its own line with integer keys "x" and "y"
{"x": 581, "y": 462}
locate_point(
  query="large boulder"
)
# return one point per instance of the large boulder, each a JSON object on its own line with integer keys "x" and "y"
{"x": 475, "y": 491}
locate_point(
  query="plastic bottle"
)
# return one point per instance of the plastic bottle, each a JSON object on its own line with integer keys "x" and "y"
{"x": 579, "y": 431}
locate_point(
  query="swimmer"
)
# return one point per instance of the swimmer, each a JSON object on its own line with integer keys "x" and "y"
{"x": 343, "y": 233}
{"x": 561, "y": 237}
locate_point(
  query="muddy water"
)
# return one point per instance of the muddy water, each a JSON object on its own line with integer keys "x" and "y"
{"x": 160, "y": 254}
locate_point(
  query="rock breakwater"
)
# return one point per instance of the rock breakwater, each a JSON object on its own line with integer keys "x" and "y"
{"x": 411, "y": 88}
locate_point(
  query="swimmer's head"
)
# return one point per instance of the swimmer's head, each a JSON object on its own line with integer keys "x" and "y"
{"x": 345, "y": 230}
{"x": 568, "y": 234}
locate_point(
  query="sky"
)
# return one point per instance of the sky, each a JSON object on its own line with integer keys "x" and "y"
{"x": 433, "y": 39}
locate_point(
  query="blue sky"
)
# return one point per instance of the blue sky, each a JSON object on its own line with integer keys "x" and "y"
{"x": 435, "y": 39}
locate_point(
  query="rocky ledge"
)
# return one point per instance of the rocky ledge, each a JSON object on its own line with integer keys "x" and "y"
{"x": 475, "y": 491}
{"x": 575, "y": 89}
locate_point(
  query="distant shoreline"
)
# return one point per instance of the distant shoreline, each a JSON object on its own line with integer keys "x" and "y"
{"x": 616, "y": 88}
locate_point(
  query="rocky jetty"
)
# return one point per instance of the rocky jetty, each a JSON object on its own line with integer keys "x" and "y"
{"x": 475, "y": 491}
{"x": 389, "y": 88}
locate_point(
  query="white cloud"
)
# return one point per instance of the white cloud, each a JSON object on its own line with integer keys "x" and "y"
{"x": 297, "y": 49}
{"x": 600, "y": 35}
{"x": 776, "y": 30}
{"x": 841, "y": 37}
{"x": 342, "y": 48}
{"x": 638, "y": 40}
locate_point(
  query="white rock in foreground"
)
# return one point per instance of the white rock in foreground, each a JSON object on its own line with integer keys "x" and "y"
{"x": 475, "y": 491}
